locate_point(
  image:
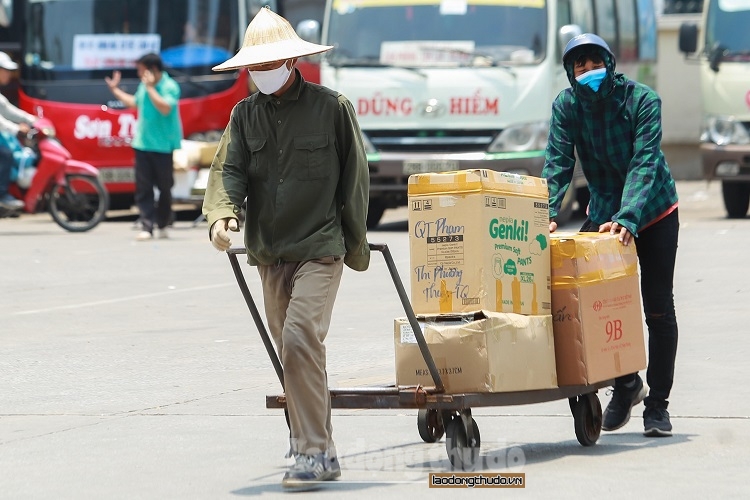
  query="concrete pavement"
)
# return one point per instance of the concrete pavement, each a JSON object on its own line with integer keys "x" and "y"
{"x": 133, "y": 370}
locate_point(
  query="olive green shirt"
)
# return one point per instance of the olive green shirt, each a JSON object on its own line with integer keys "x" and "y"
{"x": 300, "y": 161}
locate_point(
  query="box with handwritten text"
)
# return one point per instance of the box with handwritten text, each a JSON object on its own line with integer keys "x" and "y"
{"x": 479, "y": 239}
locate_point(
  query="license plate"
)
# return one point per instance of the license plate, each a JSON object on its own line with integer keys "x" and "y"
{"x": 424, "y": 166}
{"x": 111, "y": 175}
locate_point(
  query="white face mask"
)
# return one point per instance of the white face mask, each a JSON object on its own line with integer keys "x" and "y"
{"x": 271, "y": 80}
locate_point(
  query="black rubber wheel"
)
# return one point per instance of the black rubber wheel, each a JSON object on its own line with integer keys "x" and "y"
{"x": 80, "y": 204}
{"x": 587, "y": 418}
{"x": 736, "y": 198}
{"x": 430, "y": 425}
{"x": 375, "y": 211}
{"x": 462, "y": 453}
{"x": 573, "y": 402}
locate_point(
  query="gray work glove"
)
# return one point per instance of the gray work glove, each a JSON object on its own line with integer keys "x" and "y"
{"x": 219, "y": 235}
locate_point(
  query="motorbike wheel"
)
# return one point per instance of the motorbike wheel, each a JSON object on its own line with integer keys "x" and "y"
{"x": 80, "y": 204}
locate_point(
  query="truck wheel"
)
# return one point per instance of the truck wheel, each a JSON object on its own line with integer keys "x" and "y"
{"x": 736, "y": 198}
{"x": 375, "y": 210}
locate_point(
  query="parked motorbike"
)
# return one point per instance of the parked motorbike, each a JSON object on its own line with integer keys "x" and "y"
{"x": 50, "y": 179}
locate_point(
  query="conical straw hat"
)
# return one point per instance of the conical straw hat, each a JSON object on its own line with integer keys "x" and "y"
{"x": 268, "y": 38}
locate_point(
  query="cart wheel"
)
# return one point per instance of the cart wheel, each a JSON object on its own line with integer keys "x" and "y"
{"x": 587, "y": 418}
{"x": 430, "y": 425}
{"x": 463, "y": 451}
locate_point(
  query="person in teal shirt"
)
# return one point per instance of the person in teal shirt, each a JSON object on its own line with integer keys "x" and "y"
{"x": 158, "y": 133}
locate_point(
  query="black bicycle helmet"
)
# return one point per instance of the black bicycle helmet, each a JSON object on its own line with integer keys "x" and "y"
{"x": 586, "y": 40}
{"x": 580, "y": 45}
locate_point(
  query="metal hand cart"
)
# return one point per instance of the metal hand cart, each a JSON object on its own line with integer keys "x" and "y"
{"x": 438, "y": 413}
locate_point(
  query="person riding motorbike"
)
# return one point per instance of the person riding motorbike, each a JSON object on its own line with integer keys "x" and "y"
{"x": 12, "y": 122}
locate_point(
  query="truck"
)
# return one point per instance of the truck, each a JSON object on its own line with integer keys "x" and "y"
{"x": 443, "y": 85}
{"x": 721, "y": 45}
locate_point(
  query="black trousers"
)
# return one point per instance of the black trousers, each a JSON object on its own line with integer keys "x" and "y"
{"x": 657, "y": 252}
{"x": 6, "y": 165}
{"x": 153, "y": 170}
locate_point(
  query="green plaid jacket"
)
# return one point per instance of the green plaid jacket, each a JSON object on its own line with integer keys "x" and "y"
{"x": 618, "y": 142}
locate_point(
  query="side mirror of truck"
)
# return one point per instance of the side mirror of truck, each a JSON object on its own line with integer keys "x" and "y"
{"x": 309, "y": 30}
{"x": 566, "y": 34}
{"x": 688, "y": 40}
{"x": 715, "y": 56}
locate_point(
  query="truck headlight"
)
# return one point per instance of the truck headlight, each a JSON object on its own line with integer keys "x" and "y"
{"x": 524, "y": 137}
{"x": 724, "y": 130}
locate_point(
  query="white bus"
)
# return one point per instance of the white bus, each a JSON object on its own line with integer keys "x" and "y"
{"x": 456, "y": 84}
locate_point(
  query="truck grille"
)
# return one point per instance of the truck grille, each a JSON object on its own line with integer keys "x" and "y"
{"x": 434, "y": 141}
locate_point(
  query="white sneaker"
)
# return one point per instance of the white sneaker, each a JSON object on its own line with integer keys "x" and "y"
{"x": 163, "y": 234}
{"x": 309, "y": 470}
{"x": 144, "y": 236}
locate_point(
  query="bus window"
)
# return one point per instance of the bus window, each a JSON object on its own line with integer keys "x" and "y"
{"x": 582, "y": 14}
{"x": 626, "y": 15}
{"x": 646, "y": 30}
{"x": 563, "y": 13}
{"x": 606, "y": 26}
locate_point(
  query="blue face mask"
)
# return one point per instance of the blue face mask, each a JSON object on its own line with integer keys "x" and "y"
{"x": 592, "y": 78}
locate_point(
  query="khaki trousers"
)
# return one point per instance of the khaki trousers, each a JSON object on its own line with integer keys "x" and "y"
{"x": 298, "y": 299}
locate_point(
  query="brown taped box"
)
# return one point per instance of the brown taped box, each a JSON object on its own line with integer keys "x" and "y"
{"x": 479, "y": 239}
{"x": 596, "y": 308}
{"x": 482, "y": 351}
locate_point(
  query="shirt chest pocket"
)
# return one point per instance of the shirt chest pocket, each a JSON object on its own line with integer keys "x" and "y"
{"x": 314, "y": 156}
{"x": 258, "y": 163}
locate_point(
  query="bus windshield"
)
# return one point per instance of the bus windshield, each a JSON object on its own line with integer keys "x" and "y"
{"x": 428, "y": 33}
{"x": 727, "y": 28}
{"x": 86, "y": 35}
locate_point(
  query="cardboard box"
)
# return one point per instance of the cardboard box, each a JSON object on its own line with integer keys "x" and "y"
{"x": 479, "y": 239}
{"x": 480, "y": 352}
{"x": 194, "y": 154}
{"x": 207, "y": 153}
{"x": 183, "y": 183}
{"x": 596, "y": 308}
{"x": 186, "y": 158}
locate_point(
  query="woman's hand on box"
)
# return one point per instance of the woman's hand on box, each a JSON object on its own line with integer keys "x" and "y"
{"x": 614, "y": 228}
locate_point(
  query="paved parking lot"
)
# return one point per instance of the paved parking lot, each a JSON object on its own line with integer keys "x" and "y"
{"x": 133, "y": 370}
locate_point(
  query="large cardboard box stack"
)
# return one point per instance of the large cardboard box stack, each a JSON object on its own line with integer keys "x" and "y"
{"x": 480, "y": 283}
{"x": 479, "y": 352}
{"x": 596, "y": 306}
{"x": 479, "y": 240}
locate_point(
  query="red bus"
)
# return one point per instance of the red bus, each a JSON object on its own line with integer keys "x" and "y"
{"x": 69, "y": 46}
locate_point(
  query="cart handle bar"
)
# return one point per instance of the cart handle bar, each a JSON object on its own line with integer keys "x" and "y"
{"x": 378, "y": 247}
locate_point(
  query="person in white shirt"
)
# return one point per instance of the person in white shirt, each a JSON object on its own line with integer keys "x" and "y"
{"x": 12, "y": 122}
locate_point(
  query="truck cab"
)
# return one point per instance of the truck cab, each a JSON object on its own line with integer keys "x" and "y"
{"x": 722, "y": 48}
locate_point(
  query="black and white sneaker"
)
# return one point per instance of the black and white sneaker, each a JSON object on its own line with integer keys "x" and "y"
{"x": 656, "y": 420}
{"x": 309, "y": 471}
